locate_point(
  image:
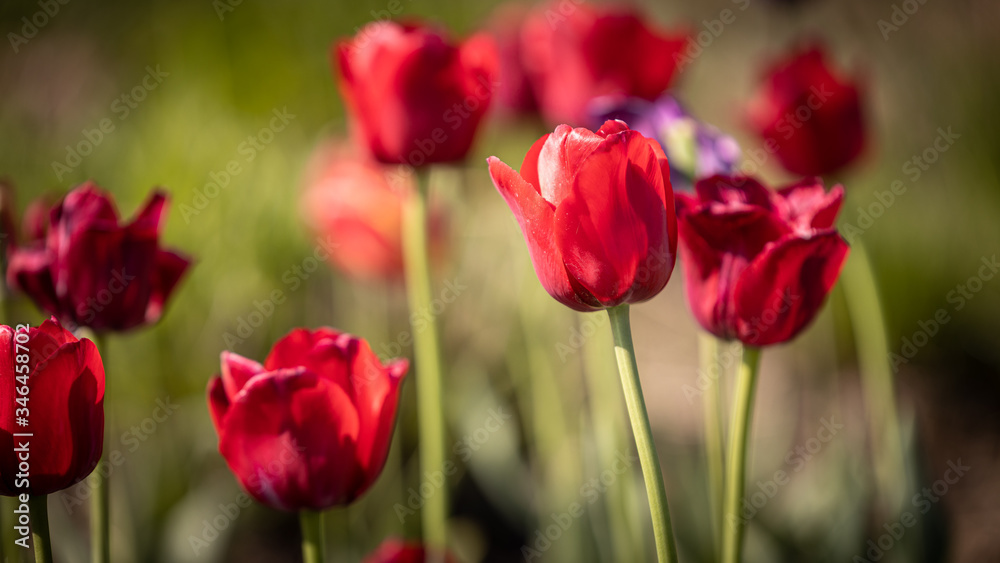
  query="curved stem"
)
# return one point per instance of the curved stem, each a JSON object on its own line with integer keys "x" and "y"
{"x": 714, "y": 439}
{"x": 746, "y": 384}
{"x": 39, "y": 509}
{"x": 313, "y": 548}
{"x": 100, "y": 544}
{"x": 629, "y": 371}
{"x": 430, "y": 410}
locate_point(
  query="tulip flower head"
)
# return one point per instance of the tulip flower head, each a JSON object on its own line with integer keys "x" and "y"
{"x": 396, "y": 551}
{"x": 597, "y": 212}
{"x": 311, "y": 427}
{"x": 810, "y": 117}
{"x": 63, "y": 412}
{"x": 758, "y": 264}
{"x": 92, "y": 271}
{"x": 413, "y": 96}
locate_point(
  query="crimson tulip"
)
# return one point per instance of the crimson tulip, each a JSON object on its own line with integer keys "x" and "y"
{"x": 91, "y": 271}
{"x": 758, "y": 264}
{"x": 575, "y": 55}
{"x": 63, "y": 409}
{"x": 809, "y": 116}
{"x": 597, "y": 212}
{"x": 413, "y": 96}
{"x": 397, "y": 551}
{"x": 310, "y": 428}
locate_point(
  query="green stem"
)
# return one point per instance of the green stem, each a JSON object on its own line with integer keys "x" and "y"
{"x": 739, "y": 433}
{"x": 714, "y": 439}
{"x": 313, "y": 548}
{"x": 430, "y": 411}
{"x": 39, "y": 509}
{"x": 629, "y": 371}
{"x": 100, "y": 545}
{"x": 868, "y": 323}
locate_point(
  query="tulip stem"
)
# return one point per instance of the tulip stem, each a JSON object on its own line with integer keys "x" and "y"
{"x": 100, "y": 545}
{"x": 666, "y": 551}
{"x": 39, "y": 510}
{"x": 739, "y": 433}
{"x": 313, "y": 548}
{"x": 430, "y": 410}
{"x": 714, "y": 436}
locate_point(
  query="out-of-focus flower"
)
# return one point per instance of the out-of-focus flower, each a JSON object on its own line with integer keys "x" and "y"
{"x": 514, "y": 93}
{"x": 91, "y": 271}
{"x": 597, "y": 212}
{"x": 310, "y": 428}
{"x": 397, "y": 551}
{"x": 357, "y": 204}
{"x": 758, "y": 264}
{"x": 35, "y": 221}
{"x": 810, "y": 117}
{"x": 8, "y": 221}
{"x": 63, "y": 380}
{"x": 414, "y": 97}
{"x": 695, "y": 149}
{"x": 575, "y": 55}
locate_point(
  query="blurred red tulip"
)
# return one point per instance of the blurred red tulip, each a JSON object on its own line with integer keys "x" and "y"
{"x": 758, "y": 264}
{"x": 310, "y": 428}
{"x": 597, "y": 211}
{"x": 64, "y": 409}
{"x": 514, "y": 93}
{"x": 397, "y": 551}
{"x": 91, "y": 271}
{"x": 575, "y": 52}
{"x": 35, "y": 222}
{"x": 358, "y": 204}
{"x": 809, "y": 117}
{"x": 414, "y": 97}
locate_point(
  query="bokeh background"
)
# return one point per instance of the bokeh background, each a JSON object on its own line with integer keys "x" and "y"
{"x": 224, "y": 68}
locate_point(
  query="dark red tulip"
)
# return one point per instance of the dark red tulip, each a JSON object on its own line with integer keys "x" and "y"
{"x": 597, "y": 212}
{"x": 397, "y": 551}
{"x": 64, "y": 409}
{"x": 809, "y": 116}
{"x": 758, "y": 264}
{"x": 92, "y": 271}
{"x": 357, "y": 204}
{"x": 575, "y": 52}
{"x": 310, "y": 428}
{"x": 413, "y": 96}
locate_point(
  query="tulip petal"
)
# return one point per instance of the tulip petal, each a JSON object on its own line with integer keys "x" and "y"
{"x": 170, "y": 269}
{"x": 560, "y": 159}
{"x": 733, "y": 192}
{"x": 809, "y": 206}
{"x": 29, "y": 270}
{"x": 218, "y": 403}
{"x": 236, "y": 372}
{"x": 322, "y": 351}
{"x": 784, "y": 287}
{"x": 376, "y": 396}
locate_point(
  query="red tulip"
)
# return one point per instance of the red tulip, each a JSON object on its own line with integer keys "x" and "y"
{"x": 311, "y": 427}
{"x": 514, "y": 93}
{"x": 414, "y": 97}
{"x": 64, "y": 409}
{"x": 808, "y": 116}
{"x": 597, "y": 212}
{"x": 358, "y": 204}
{"x": 396, "y": 551}
{"x": 759, "y": 263}
{"x": 93, "y": 272}
{"x": 575, "y": 55}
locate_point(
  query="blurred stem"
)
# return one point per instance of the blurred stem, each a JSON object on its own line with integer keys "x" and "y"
{"x": 708, "y": 346}
{"x": 746, "y": 384}
{"x": 39, "y": 508}
{"x": 632, "y": 387}
{"x": 868, "y": 323}
{"x": 430, "y": 411}
{"x": 100, "y": 545}
{"x": 313, "y": 549}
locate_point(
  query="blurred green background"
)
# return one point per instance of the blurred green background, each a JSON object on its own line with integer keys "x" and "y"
{"x": 224, "y": 68}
